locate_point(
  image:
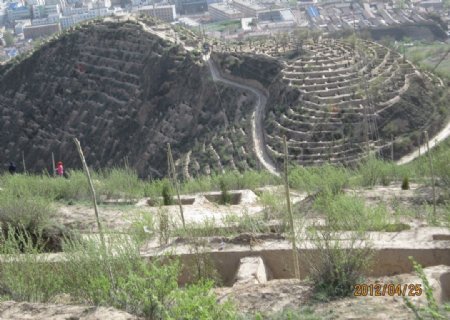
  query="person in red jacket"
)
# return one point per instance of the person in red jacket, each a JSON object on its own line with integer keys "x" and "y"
{"x": 60, "y": 169}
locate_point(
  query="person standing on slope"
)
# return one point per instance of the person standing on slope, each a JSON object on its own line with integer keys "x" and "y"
{"x": 60, "y": 169}
{"x": 12, "y": 168}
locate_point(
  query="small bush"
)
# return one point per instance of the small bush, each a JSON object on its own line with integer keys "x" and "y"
{"x": 164, "y": 226}
{"x": 337, "y": 265}
{"x": 167, "y": 194}
{"x": 116, "y": 277}
{"x": 225, "y": 197}
{"x": 324, "y": 179}
{"x": 431, "y": 310}
{"x": 143, "y": 226}
{"x": 405, "y": 183}
{"x": 345, "y": 212}
{"x": 274, "y": 205}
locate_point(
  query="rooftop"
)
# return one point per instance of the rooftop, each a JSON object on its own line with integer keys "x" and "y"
{"x": 224, "y": 7}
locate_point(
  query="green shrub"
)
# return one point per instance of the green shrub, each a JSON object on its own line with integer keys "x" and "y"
{"x": 143, "y": 226}
{"x": 324, "y": 179}
{"x": 119, "y": 183}
{"x": 116, "y": 277}
{"x": 199, "y": 302}
{"x": 167, "y": 194}
{"x": 274, "y": 205}
{"x": 336, "y": 266}
{"x": 164, "y": 226}
{"x": 405, "y": 183}
{"x": 431, "y": 310}
{"x": 31, "y": 213}
{"x": 344, "y": 212}
{"x": 225, "y": 197}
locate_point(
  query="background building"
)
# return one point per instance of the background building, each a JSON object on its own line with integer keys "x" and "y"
{"x": 222, "y": 11}
{"x": 190, "y": 6}
{"x": 33, "y": 32}
{"x": 165, "y": 13}
{"x": 248, "y": 9}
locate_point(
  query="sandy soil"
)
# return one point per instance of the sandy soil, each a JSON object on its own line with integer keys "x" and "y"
{"x": 120, "y": 217}
{"x": 45, "y": 311}
{"x": 276, "y": 295}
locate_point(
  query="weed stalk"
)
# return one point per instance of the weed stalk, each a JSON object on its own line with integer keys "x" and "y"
{"x": 175, "y": 182}
{"x": 432, "y": 174}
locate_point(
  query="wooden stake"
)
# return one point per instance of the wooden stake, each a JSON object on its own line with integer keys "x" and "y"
{"x": 53, "y": 165}
{"x": 392, "y": 148}
{"x": 432, "y": 174}
{"x": 175, "y": 182}
{"x": 23, "y": 163}
{"x": 291, "y": 218}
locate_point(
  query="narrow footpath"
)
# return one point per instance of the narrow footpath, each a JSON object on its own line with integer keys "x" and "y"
{"x": 257, "y": 117}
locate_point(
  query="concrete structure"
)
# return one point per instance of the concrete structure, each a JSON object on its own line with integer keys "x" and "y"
{"x": 52, "y": 9}
{"x": 70, "y": 11}
{"x": 188, "y": 22}
{"x": 248, "y": 8}
{"x": 269, "y": 15}
{"x": 222, "y": 11}
{"x": 18, "y": 13}
{"x": 190, "y": 6}
{"x": 20, "y": 24}
{"x": 51, "y": 19}
{"x": 251, "y": 271}
{"x": 33, "y": 32}
{"x": 36, "y": 2}
{"x": 68, "y": 21}
{"x": 38, "y": 11}
{"x": 165, "y": 13}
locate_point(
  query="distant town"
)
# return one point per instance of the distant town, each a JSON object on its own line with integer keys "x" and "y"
{"x": 23, "y": 23}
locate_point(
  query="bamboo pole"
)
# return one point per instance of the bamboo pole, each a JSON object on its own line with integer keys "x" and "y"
{"x": 392, "y": 148}
{"x": 53, "y": 165}
{"x": 432, "y": 174}
{"x": 175, "y": 182}
{"x": 23, "y": 163}
{"x": 94, "y": 201}
{"x": 91, "y": 187}
{"x": 291, "y": 218}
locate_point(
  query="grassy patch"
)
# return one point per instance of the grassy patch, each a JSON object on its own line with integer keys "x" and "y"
{"x": 117, "y": 277}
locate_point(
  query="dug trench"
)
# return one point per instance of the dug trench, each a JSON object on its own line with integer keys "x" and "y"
{"x": 390, "y": 253}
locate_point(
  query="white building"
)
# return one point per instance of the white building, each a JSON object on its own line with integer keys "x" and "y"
{"x": 52, "y": 9}
{"x": 68, "y": 21}
{"x": 249, "y": 9}
{"x": 165, "y": 13}
{"x": 222, "y": 11}
{"x": 20, "y": 24}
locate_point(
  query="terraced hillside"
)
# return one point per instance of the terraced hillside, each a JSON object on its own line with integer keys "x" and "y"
{"x": 125, "y": 93}
{"x": 337, "y": 100}
{"x": 126, "y": 89}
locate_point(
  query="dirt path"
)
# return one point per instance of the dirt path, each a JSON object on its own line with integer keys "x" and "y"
{"x": 257, "y": 117}
{"x": 441, "y": 136}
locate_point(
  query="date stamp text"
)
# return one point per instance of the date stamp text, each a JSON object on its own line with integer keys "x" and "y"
{"x": 387, "y": 289}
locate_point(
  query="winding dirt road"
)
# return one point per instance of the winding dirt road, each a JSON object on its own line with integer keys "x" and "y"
{"x": 257, "y": 116}
{"x": 434, "y": 141}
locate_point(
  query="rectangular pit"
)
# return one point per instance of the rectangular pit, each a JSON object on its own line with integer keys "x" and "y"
{"x": 388, "y": 261}
{"x": 235, "y": 198}
{"x": 157, "y": 203}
